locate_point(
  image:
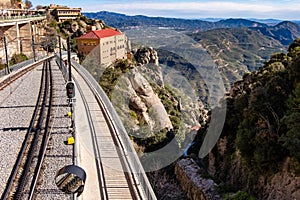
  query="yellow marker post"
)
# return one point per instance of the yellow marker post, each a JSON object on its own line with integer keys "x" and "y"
{"x": 71, "y": 140}
{"x": 69, "y": 114}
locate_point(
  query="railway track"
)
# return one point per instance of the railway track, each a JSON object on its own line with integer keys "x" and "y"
{"x": 116, "y": 177}
{"x": 24, "y": 176}
{"x": 112, "y": 183}
{"x": 31, "y": 171}
{"x": 7, "y": 81}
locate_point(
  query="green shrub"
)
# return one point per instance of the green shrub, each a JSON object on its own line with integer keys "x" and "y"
{"x": 2, "y": 66}
{"x": 225, "y": 188}
{"x": 133, "y": 114}
{"x": 17, "y": 58}
{"x": 111, "y": 75}
{"x": 53, "y": 24}
{"x": 240, "y": 195}
{"x": 291, "y": 139}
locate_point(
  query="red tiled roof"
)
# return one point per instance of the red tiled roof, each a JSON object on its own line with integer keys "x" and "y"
{"x": 90, "y": 35}
{"x": 100, "y": 34}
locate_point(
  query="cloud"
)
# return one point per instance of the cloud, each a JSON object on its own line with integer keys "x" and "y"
{"x": 258, "y": 9}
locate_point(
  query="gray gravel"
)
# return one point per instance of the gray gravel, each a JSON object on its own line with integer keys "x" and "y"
{"x": 17, "y": 103}
{"x": 60, "y": 154}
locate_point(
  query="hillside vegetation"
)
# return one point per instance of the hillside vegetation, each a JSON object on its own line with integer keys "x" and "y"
{"x": 260, "y": 140}
{"x": 69, "y": 28}
{"x": 237, "y": 51}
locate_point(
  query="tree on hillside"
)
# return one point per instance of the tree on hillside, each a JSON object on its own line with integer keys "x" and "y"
{"x": 28, "y": 4}
{"x": 291, "y": 140}
{"x": 17, "y": 58}
{"x": 39, "y": 7}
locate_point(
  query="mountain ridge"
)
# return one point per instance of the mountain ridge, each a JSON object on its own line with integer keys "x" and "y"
{"x": 237, "y": 51}
{"x": 122, "y": 21}
{"x": 128, "y": 20}
{"x": 234, "y": 57}
{"x": 283, "y": 31}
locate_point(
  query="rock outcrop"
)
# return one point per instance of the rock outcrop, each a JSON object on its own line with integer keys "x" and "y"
{"x": 283, "y": 185}
{"x": 144, "y": 100}
{"x": 197, "y": 187}
{"x": 145, "y": 56}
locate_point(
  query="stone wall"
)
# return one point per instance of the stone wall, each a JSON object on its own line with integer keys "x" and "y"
{"x": 197, "y": 188}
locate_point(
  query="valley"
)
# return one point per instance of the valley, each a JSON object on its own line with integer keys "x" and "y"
{"x": 207, "y": 99}
{"x": 254, "y": 64}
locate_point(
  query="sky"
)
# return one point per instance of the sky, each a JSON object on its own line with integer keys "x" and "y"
{"x": 191, "y": 9}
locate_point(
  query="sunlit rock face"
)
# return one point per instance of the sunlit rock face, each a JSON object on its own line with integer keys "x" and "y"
{"x": 148, "y": 102}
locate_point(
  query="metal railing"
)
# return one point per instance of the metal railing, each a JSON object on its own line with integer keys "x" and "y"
{"x": 17, "y": 18}
{"x": 20, "y": 65}
{"x": 135, "y": 165}
{"x": 63, "y": 68}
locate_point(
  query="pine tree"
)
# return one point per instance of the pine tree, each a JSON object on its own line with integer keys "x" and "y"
{"x": 291, "y": 140}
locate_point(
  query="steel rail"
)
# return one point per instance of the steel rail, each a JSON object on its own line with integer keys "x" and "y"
{"x": 133, "y": 163}
{"x": 13, "y": 175}
{"x": 19, "y": 71}
{"x": 100, "y": 171}
{"x": 46, "y": 136}
{"x": 34, "y": 143}
{"x": 115, "y": 136}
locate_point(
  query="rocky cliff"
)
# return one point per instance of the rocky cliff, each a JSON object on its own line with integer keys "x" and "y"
{"x": 150, "y": 107}
{"x": 143, "y": 100}
{"x": 143, "y": 106}
{"x": 70, "y": 28}
{"x": 198, "y": 188}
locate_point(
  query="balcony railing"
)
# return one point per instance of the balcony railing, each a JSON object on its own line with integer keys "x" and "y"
{"x": 17, "y": 18}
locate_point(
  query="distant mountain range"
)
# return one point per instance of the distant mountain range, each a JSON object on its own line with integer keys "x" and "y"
{"x": 283, "y": 31}
{"x": 124, "y": 21}
{"x": 236, "y": 46}
{"x": 238, "y": 50}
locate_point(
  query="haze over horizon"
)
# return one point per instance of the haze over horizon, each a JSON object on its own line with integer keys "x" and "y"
{"x": 190, "y": 9}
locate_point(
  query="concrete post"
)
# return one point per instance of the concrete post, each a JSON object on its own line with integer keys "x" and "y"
{"x": 6, "y": 54}
{"x": 18, "y": 38}
{"x": 69, "y": 58}
{"x": 59, "y": 46}
{"x": 33, "y": 47}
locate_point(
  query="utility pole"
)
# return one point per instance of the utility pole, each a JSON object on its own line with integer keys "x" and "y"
{"x": 6, "y": 54}
{"x": 71, "y": 94}
{"x": 69, "y": 58}
{"x": 59, "y": 46}
{"x": 47, "y": 43}
{"x": 33, "y": 49}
